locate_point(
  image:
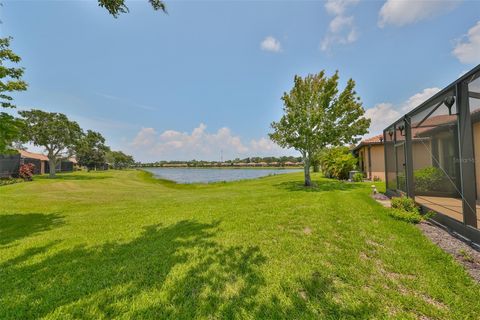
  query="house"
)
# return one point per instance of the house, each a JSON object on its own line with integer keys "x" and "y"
{"x": 431, "y": 152}
{"x": 39, "y": 160}
{"x": 371, "y": 157}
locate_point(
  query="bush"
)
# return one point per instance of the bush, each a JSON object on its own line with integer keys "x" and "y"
{"x": 337, "y": 162}
{"x": 404, "y": 203}
{"x": 26, "y": 171}
{"x": 430, "y": 179}
{"x": 358, "y": 177}
{"x": 400, "y": 214}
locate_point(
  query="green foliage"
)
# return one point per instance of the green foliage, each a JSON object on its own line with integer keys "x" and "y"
{"x": 10, "y": 77}
{"x": 337, "y": 162}
{"x": 316, "y": 115}
{"x": 430, "y": 179}
{"x": 119, "y": 160}
{"x": 10, "y": 81}
{"x": 117, "y": 7}
{"x": 404, "y": 208}
{"x": 90, "y": 150}
{"x": 53, "y": 131}
{"x": 10, "y": 129}
{"x": 407, "y": 216}
{"x": 358, "y": 177}
{"x": 404, "y": 203}
{"x": 8, "y": 181}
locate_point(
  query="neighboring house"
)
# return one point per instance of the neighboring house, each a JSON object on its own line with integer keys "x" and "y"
{"x": 39, "y": 160}
{"x": 371, "y": 157}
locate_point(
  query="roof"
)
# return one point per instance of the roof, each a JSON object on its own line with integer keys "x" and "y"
{"x": 32, "y": 155}
{"x": 378, "y": 139}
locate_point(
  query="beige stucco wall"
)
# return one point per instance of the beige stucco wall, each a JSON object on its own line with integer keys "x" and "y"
{"x": 377, "y": 162}
{"x": 421, "y": 153}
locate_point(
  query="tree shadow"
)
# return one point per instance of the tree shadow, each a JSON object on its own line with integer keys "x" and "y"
{"x": 17, "y": 226}
{"x": 319, "y": 186}
{"x": 177, "y": 271}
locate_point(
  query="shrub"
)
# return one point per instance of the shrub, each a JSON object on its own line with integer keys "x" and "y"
{"x": 400, "y": 214}
{"x": 26, "y": 171}
{"x": 429, "y": 179}
{"x": 337, "y": 162}
{"x": 358, "y": 177}
{"x": 376, "y": 179}
{"x": 404, "y": 203}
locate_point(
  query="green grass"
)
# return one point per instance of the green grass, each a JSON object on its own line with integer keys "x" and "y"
{"x": 123, "y": 245}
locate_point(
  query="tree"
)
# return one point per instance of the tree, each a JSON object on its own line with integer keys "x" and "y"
{"x": 316, "y": 115}
{"x": 10, "y": 81}
{"x": 116, "y": 7}
{"x": 90, "y": 150}
{"x": 53, "y": 131}
{"x": 119, "y": 160}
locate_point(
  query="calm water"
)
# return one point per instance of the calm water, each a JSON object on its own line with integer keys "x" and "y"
{"x": 188, "y": 175}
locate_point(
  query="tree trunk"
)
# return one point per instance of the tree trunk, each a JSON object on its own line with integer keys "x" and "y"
{"x": 52, "y": 164}
{"x": 316, "y": 167}
{"x": 306, "y": 170}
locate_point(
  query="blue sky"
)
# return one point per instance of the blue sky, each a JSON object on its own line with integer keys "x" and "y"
{"x": 209, "y": 75}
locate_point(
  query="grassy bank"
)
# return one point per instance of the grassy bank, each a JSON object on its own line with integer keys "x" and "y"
{"x": 121, "y": 244}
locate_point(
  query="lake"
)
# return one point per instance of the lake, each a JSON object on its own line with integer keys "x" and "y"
{"x": 194, "y": 175}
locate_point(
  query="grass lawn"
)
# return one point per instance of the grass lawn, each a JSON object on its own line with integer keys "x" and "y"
{"x": 123, "y": 245}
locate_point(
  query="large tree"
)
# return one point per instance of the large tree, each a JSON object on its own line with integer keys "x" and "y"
{"x": 119, "y": 160}
{"x": 116, "y": 7}
{"x": 90, "y": 150}
{"x": 10, "y": 81}
{"x": 53, "y": 131}
{"x": 316, "y": 115}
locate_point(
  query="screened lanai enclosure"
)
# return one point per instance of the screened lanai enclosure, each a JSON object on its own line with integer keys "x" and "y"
{"x": 431, "y": 152}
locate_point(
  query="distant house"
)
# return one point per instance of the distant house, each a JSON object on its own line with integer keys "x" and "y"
{"x": 371, "y": 157}
{"x": 39, "y": 160}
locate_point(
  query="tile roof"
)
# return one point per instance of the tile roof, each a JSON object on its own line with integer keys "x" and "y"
{"x": 32, "y": 155}
{"x": 378, "y": 139}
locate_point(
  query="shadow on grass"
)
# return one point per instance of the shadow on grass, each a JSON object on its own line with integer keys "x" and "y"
{"x": 318, "y": 186}
{"x": 17, "y": 226}
{"x": 174, "y": 272}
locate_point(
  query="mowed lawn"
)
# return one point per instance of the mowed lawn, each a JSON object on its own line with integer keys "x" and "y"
{"x": 120, "y": 244}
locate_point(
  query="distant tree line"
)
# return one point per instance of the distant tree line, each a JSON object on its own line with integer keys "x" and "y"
{"x": 250, "y": 161}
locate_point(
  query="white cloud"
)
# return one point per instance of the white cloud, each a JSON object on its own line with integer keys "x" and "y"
{"x": 384, "y": 114}
{"x": 270, "y": 44}
{"x": 418, "y": 98}
{"x": 150, "y": 145}
{"x": 467, "y": 49}
{"x": 402, "y": 12}
{"x": 342, "y": 29}
{"x": 381, "y": 115}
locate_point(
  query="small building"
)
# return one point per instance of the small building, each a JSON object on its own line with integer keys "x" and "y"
{"x": 39, "y": 160}
{"x": 371, "y": 157}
